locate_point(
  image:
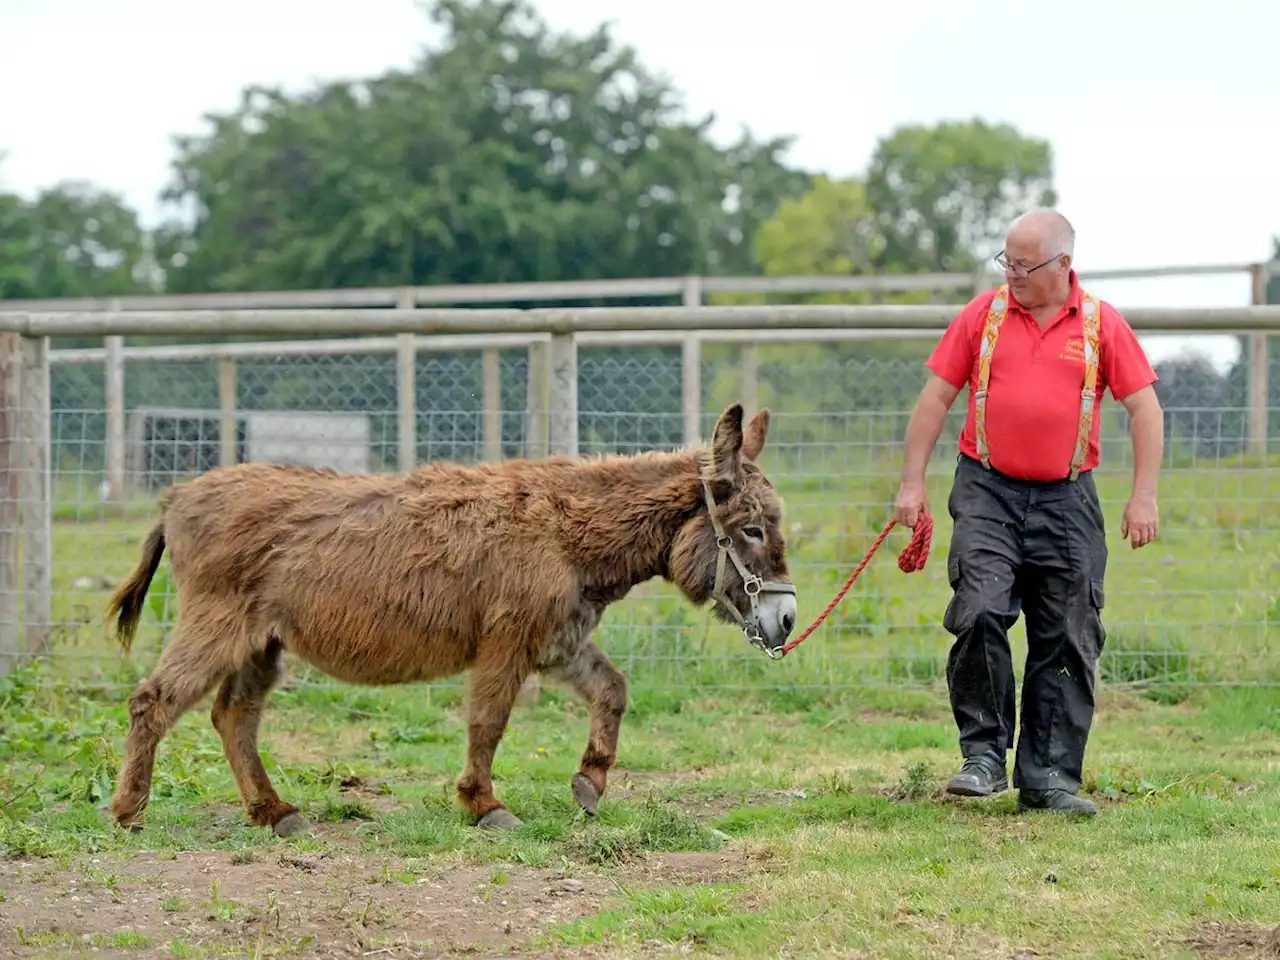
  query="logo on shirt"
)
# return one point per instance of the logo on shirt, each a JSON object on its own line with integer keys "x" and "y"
{"x": 1073, "y": 349}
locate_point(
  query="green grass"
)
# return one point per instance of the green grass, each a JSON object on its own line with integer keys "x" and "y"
{"x": 814, "y": 779}
{"x": 829, "y": 819}
{"x": 1201, "y": 604}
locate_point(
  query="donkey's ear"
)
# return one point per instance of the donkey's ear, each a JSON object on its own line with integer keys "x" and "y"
{"x": 726, "y": 450}
{"x": 754, "y": 435}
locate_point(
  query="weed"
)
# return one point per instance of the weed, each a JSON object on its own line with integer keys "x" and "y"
{"x": 916, "y": 783}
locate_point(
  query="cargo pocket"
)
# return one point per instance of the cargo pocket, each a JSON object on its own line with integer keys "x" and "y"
{"x": 1098, "y": 594}
{"x": 1098, "y": 599}
{"x": 954, "y": 617}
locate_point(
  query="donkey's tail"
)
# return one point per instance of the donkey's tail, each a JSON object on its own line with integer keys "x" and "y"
{"x": 125, "y": 604}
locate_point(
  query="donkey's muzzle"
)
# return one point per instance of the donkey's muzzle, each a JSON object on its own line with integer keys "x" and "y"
{"x": 775, "y": 613}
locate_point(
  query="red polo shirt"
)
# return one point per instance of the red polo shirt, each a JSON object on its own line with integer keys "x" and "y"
{"x": 1033, "y": 397}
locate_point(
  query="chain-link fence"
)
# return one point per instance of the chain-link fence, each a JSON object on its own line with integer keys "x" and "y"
{"x": 1200, "y": 605}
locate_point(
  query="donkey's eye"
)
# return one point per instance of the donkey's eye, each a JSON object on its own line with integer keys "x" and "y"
{"x": 753, "y": 533}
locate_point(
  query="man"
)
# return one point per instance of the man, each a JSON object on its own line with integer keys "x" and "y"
{"x": 1029, "y": 532}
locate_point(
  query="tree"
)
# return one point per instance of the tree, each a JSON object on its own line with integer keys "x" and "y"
{"x": 511, "y": 153}
{"x": 85, "y": 242}
{"x": 73, "y": 240}
{"x": 934, "y": 200}
{"x": 944, "y": 195}
{"x": 829, "y": 230}
{"x": 15, "y": 241}
{"x": 1201, "y": 419}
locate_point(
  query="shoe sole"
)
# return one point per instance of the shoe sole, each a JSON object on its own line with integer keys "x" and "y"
{"x": 1067, "y": 811}
{"x": 960, "y": 790}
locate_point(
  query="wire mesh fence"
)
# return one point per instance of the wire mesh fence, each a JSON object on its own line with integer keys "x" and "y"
{"x": 1201, "y": 605}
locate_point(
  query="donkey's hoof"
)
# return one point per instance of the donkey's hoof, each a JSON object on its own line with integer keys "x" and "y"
{"x": 127, "y": 821}
{"x": 585, "y": 792}
{"x": 499, "y": 818}
{"x": 293, "y": 825}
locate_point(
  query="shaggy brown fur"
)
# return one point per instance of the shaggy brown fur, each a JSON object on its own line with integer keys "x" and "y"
{"x": 500, "y": 569}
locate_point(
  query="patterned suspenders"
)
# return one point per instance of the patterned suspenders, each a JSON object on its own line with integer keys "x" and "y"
{"x": 987, "y": 347}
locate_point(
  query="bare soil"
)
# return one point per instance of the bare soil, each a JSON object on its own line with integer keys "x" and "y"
{"x": 1234, "y": 941}
{"x": 221, "y": 903}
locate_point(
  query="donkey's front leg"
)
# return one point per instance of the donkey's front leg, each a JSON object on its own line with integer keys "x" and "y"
{"x": 493, "y": 694}
{"x": 598, "y": 681}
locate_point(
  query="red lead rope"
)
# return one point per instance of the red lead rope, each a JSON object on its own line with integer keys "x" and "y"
{"x": 911, "y": 560}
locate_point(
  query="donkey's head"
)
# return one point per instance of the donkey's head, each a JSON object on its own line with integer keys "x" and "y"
{"x": 733, "y": 550}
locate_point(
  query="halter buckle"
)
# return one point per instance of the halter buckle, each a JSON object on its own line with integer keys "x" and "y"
{"x": 756, "y": 639}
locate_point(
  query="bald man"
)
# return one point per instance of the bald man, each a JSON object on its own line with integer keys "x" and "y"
{"x": 1037, "y": 354}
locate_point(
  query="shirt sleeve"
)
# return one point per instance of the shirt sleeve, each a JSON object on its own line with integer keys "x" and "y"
{"x": 952, "y": 359}
{"x": 1123, "y": 362}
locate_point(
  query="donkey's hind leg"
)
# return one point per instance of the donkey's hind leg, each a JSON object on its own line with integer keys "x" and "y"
{"x": 194, "y": 660}
{"x": 601, "y": 684}
{"x": 237, "y": 710}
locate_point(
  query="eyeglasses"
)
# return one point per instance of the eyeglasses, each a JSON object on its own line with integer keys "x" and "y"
{"x": 1018, "y": 269}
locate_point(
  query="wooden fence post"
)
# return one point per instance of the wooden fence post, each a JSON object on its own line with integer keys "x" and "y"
{"x": 538, "y": 385}
{"x": 228, "y": 426}
{"x": 691, "y": 369}
{"x": 1259, "y": 372}
{"x": 406, "y": 390}
{"x": 564, "y": 393}
{"x": 114, "y": 375}
{"x": 10, "y": 533}
{"x": 491, "y": 401}
{"x": 35, "y": 495}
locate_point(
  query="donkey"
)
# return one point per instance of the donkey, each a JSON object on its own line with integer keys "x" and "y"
{"x": 500, "y": 569}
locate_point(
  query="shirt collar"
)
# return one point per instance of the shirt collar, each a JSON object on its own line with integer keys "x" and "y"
{"x": 1074, "y": 297}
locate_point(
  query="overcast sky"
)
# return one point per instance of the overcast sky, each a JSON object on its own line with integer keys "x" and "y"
{"x": 1160, "y": 114}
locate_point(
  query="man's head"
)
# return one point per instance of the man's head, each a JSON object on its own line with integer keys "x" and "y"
{"x": 1038, "y": 252}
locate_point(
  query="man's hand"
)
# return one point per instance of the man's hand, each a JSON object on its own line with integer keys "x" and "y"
{"x": 922, "y": 434}
{"x": 912, "y": 501}
{"x": 1141, "y": 521}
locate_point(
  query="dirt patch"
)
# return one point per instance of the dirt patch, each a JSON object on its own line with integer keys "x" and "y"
{"x": 371, "y": 796}
{"x": 1233, "y": 941}
{"x": 638, "y": 785}
{"x": 334, "y": 905}
{"x": 664, "y": 869}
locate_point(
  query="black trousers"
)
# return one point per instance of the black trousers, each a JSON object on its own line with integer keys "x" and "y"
{"x": 1037, "y": 548}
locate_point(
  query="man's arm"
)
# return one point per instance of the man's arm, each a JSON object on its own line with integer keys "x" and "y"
{"x": 950, "y": 366}
{"x": 1147, "y": 435}
{"x": 924, "y": 428}
{"x": 1141, "y": 520}
{"x": 1131, "y": 378}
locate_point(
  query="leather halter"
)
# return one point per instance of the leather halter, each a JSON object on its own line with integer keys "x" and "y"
{"x": 752, "y": 584}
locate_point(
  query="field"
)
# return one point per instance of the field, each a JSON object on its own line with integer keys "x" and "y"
{"x": 759, "y": 808}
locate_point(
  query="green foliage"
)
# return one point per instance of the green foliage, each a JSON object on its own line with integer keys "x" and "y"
{"x": 509, "y": 153}
{"x": 828, "y": 231}
{"x": 933, "y": 200}
{"x": 944, "y": 195}
{"x": 73, "y": 240}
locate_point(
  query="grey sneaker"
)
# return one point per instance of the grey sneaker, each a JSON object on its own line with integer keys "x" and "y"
{"x": 1057, "y": 801}
{"x": 980, "y": 776}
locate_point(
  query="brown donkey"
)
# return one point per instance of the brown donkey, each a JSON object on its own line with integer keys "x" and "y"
{"x": 502, "y": 569}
